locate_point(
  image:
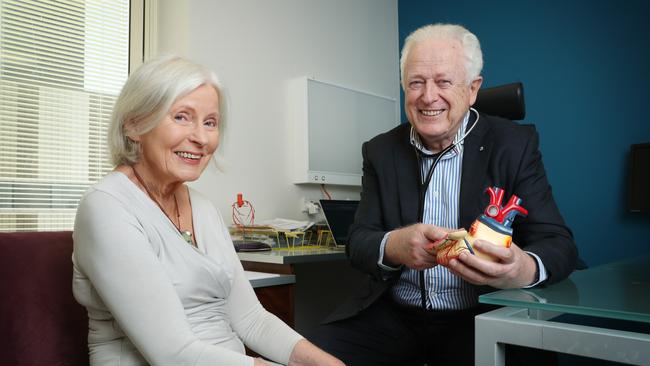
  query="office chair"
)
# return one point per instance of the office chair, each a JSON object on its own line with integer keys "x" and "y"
{"x": 505, "y": 101}
{"x": 41, "y": 323}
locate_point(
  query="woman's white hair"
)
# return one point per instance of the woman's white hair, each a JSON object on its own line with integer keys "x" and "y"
{"x": 146, "y": 98}
{"x": 469, "y": 42}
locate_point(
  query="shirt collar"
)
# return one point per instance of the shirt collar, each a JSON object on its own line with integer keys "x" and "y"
{"x": 417, "y": 142}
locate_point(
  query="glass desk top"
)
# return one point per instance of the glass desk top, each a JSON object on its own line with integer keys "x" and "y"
{"x": 619, "y": 290}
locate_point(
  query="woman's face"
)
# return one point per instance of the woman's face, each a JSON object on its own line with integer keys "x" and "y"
{"x": 179, "y": 148}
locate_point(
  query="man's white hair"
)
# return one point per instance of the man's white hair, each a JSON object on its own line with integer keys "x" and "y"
{"x": 471, "y": 47}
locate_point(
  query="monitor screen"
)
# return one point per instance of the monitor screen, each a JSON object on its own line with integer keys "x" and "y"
{"x": 639, "y": 195}
{"x": 331, "y": 124}
{"x": 339, "y": 215}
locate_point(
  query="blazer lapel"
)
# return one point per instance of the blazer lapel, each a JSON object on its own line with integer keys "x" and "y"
{"x": 407, "y": 175}
{"x": 476, "y": 151}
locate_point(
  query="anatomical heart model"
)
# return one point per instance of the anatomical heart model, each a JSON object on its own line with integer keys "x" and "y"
{"x": 493, "y": 226}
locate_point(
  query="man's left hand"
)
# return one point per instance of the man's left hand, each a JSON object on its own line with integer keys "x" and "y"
{"x": 514, "y": 268}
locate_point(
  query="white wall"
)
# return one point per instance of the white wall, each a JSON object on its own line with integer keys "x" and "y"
{"x": 256, "y": 47}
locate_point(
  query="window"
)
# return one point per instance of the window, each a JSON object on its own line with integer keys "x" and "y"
{"x": 62, "y": 65}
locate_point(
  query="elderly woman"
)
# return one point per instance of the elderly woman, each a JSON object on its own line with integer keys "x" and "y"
{"x": 153, "y": 261}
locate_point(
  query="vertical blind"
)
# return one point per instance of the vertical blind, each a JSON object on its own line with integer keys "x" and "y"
{"x": 62, "y": 64}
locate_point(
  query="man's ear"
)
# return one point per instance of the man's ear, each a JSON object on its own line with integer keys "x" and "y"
{"x": 474, "y": 86}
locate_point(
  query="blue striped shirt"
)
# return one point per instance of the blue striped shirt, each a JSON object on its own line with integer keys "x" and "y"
{"x": 445, "y": 291}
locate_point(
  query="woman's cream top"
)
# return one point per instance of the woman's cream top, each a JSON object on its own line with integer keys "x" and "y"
{"x": 154, "y": 299}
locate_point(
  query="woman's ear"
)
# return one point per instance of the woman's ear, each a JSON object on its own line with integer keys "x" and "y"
{"x": 130, "y": 131}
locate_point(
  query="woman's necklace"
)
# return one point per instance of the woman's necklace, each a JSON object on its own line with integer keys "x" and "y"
{"x": 186, "y": 234}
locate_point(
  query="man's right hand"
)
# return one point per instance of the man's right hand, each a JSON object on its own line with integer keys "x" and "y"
{"x": 413, "y": 246}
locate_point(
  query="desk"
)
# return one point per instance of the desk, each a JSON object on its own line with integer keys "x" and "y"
{"x": 618, "y": 290}
{"x": 261, "y": 279}
{"x": 324, "y": 279}
{"x": 294, "y": 255}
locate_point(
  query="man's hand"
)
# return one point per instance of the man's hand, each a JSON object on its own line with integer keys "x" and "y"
{"x": 514, "y": 268}
{"x": 413, "y": 246}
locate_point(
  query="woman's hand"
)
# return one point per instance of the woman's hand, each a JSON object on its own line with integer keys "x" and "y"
{"x": 260, "y": 362}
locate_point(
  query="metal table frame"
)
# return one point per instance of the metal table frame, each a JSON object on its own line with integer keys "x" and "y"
{"x": 536, "y": 329}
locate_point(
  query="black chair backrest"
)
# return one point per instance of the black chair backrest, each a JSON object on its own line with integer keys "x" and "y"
{"x": 505, "y": 101}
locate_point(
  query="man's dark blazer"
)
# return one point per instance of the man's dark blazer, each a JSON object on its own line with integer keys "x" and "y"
{"x": 497, "y": 152}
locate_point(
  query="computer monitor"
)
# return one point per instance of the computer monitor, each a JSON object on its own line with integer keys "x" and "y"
{"x": 639, "y": 178}
{"x": 339, "y": 215}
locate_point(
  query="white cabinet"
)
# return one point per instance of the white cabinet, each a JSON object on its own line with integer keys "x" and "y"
{"x": 331, "y": 122}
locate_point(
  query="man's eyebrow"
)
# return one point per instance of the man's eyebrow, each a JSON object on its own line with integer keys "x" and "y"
{"x": 435, "y": 76}
{"x": 442, "y": 74}
{"x": 414, "y": 75}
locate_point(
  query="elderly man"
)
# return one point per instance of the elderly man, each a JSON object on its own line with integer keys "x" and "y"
{"x": 423, "y": 179}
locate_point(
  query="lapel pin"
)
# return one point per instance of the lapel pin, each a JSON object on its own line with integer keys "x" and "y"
{"x": 480, "y": 148}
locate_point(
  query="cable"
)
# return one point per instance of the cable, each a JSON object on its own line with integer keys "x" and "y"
{"x": 325, "y": 193}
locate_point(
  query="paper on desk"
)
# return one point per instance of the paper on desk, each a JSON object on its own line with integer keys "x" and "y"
{"x": 286, "y": 224}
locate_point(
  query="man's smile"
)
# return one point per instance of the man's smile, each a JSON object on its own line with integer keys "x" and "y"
{"x": 431, "y": 112}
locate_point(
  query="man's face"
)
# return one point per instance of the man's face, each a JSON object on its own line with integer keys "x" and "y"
{"x": 436, "y": 92}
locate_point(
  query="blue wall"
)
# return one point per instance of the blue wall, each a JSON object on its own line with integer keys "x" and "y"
{"x": 584, "y": 66}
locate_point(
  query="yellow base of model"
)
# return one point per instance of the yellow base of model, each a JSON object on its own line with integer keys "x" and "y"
{"x": 461, "y": 241}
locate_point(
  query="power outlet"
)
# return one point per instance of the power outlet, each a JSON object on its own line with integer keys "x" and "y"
{"x": 310, "y": 206}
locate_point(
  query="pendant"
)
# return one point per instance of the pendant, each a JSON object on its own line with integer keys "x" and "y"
{"x": 187, "y": 236}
